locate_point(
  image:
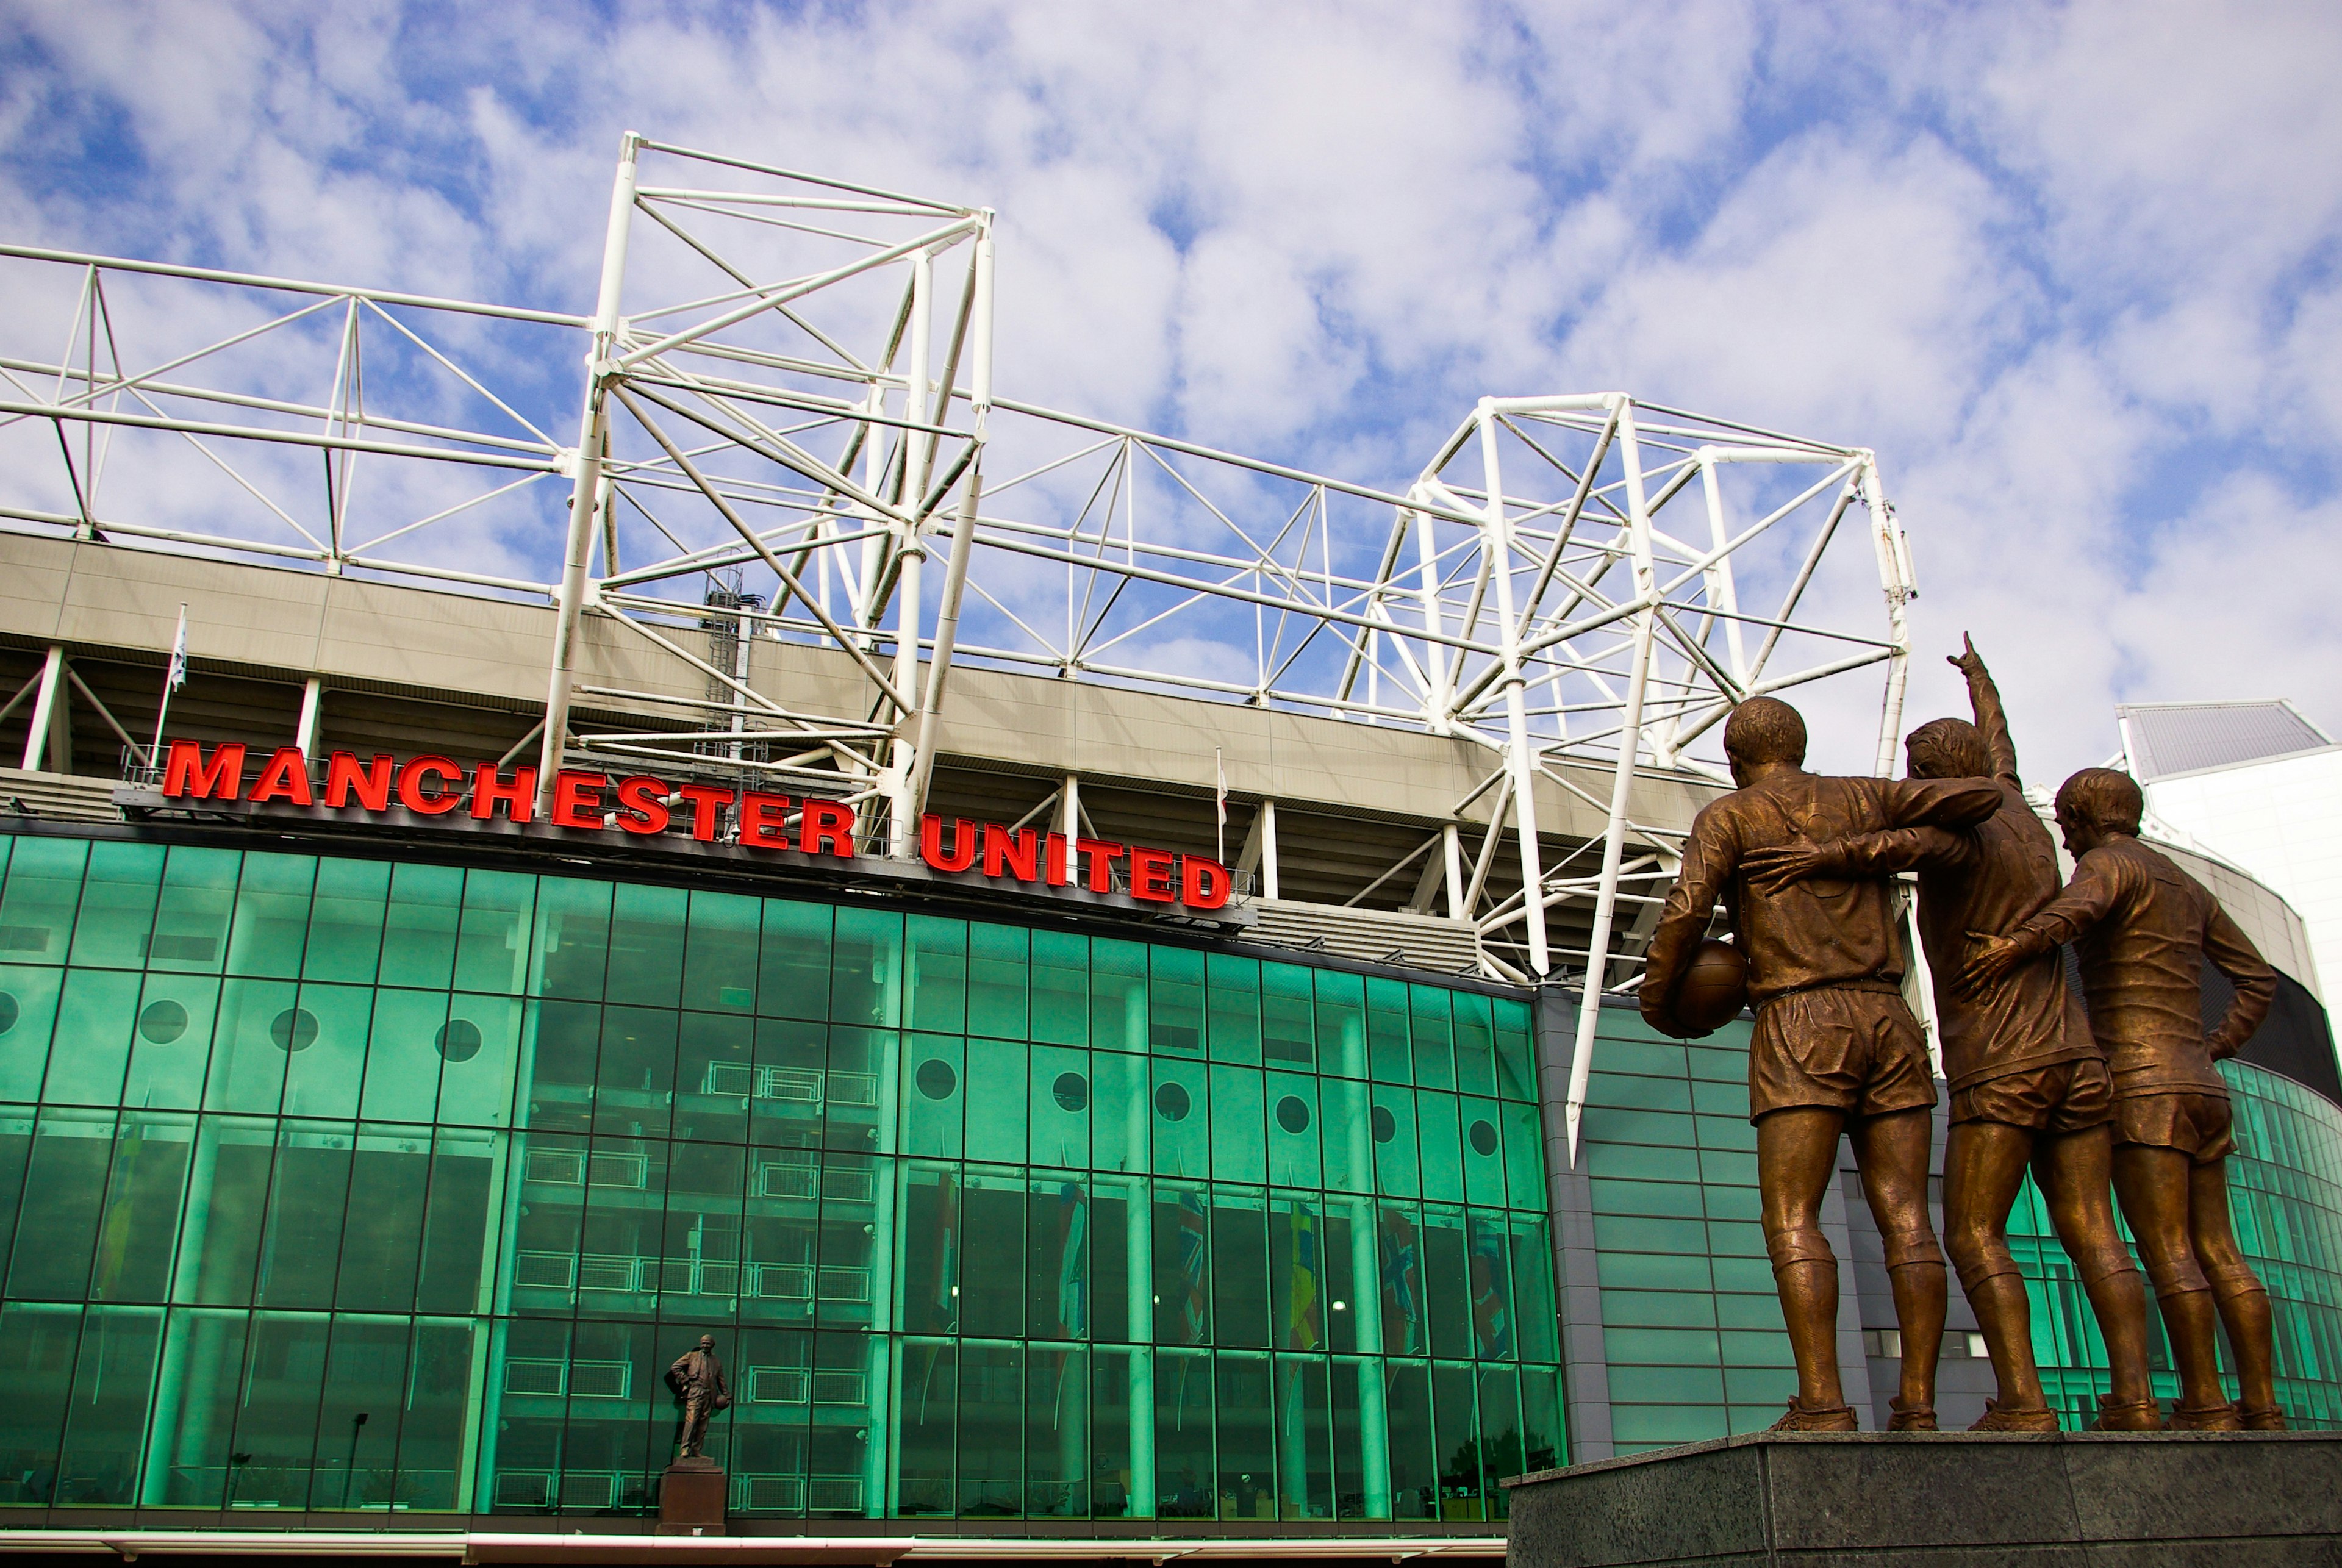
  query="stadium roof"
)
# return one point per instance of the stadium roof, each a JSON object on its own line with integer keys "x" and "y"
{"x": 2165, "y": 739}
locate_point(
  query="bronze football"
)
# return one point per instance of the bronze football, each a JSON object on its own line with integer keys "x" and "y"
{"x": 1713, "y": 990}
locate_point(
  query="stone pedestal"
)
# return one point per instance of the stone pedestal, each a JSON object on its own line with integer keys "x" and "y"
{"x": 1866, "y": 1500}
{"x": 690, "y": 1498}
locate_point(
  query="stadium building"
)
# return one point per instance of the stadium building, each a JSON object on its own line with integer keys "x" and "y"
{"x": 1099, "y": 969}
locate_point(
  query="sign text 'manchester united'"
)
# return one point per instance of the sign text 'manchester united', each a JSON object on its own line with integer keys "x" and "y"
{"x": 437, "y": 787}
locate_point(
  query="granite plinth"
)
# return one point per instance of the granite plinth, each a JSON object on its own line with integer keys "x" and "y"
{"x": 691, "y": 1498}
{"x": 1864, "y": 1500}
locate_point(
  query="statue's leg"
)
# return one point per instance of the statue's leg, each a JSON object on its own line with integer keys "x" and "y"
{"x": 2074, "y": 1171}
{"x": 1984, "y": 1166}
{"x": 1891, "y": 1151}
{"x": 1797, "y": 1152}
{"x": 2243, "y": 1301}
{"x": 2155, "y": 1185}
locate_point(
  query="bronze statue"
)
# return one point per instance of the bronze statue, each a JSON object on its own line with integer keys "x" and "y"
{"x": 1834, "y": 1049}
{"x": 2143, "y": 929}
{"x": 2029, "y": 1084}
{"x": 697, "y": 1379}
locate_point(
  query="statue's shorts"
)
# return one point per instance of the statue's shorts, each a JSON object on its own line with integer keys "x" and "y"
{"x": 2070, "y": 1096}
{"x": 1858, "y": 1050}
{"x": 2195, "y": 1124}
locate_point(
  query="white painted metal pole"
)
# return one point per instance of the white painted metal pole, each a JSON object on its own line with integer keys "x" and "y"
{"x": 1497, "y": 541}
{"x": 902, "y": 810}
{"x": 1895, "y": 577}
{"x": 1622, "y": 782}
{"x": 305, "y": 732}
{"x": 45, "y": 708}
{"x": 585, "y": 495}
{"x": 1268, "y": 849}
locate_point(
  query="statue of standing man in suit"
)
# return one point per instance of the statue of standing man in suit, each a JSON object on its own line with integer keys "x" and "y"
{"x": 697, "y": 1379}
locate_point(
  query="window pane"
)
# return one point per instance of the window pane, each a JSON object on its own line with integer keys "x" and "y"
{"x": 1186, "y": 1477}
{"x": 1341, "y": 1023}
{"x": 992, "y": 1254}
{"x": 1248, "y": 1440}
{"x": 1458, "y": 1448}
{"x": 1443, "y": 1155}
{"x": 1182, "y": 1107}
{"x": 191, "y": 919}
{"x": 1414, "y": 1471}
{"x": 928, "y": 1398}
{"x": 933, "y": 1094}
{"x": 271, "y": 914}
{"x": 715, "y": 1077}
{"x": 792, "y": 1074}
{"x": 573, "y": 918}
{"x": 1175, "y": 1001}
{"x": 1288, "y": 1013}
{"x": 1304, "y": 1460}
{"x": 1237, "y": 1150}
{"x": 1434, "y": 1033}
{"x": 720, "y": 964}
{"x": 1516, "y": 1051}
{"x": 382, "y": 1235}
{"x": 117, "y": 904}
{"x": 1120, "y": 1111}
{"x": 1239, "y": 1267}
{"x": 64, "y": 1186}
{"x": 149, "y": 1172}
{"x": 1292, "y": 1129}
{"x": 171, "y": 1041}
{"x": 325, "y": 1066}
{"x": 1060, "y": 1107}
{"x": 999, "y": 960}
{"x": 476, "y": 1089}
{"x": 418, "y": 936}
{"x": 1061, "y": 1001}
{"x": 995, "y": 1100}
{"x": 866, "y": 968}
{"x": 1491, "y": 1289}
{"x": 1348, "y": 1138}
{"x": 1182, "y": 1266}
{"x": 96, "y": 1016}
{"x": 306, "y": 1205}
{"x": 1233, "y": 1005}
{"x": 634, "y": 1084}
{"x": 935, "y": 994}
{"x": 1484, "y": 1154}
{"x": 45, "y": 885}
{"x": 1405, "y": 1331}
{"x": 793, "y": 974}
{"x": 346, "y": 921}
{"x": 646, "y": 946}
{"x": 24, "y": 1043}
{"x": 1446, "y": 1281}
{"x": 1391, "y": 1056}
{"x": 992, "y": 1432}
{"x": 1475, "y": 1044}
{"x": 106, "y": 1437}
{"x": 1117, "y": 994}
{"x": 1391, "y": 1122}
{"x": 492, "y": 945}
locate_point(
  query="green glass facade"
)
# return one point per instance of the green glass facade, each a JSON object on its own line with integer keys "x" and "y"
{"x": 334, "y": 1182}
{"x": 1692, "y": 1332}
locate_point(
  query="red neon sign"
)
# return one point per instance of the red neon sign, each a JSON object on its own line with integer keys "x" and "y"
{"x": 593, "y": 802}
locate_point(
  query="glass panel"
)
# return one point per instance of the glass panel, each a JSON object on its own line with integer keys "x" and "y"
{"x": 1117, "y": 994}
{"x": 191, "y": 919}
{"x": 1400, "y": 1252}
{"x": 30, "y": 1014}
{"x": 44, "y": 887}
{"x": 1348, "y": 1136}
{"x": 1296, "y": 1273}
{"x": 1289, "y": 1014}
{"x": 1531, "y": 1272}
{"x": 458, "y": 1241}
{"x": 1442, "y": 1156}
{"x": 37, "y": 1348}
{"x": 324, "y": 1075}
{"x": 382, "y": 1233}
{"x": 793, "y": 972}
{"x": 1341, "y": 1023}
{"x": 1057, "y": 1269}
{"x": 1182, "y": 1265}
{"x": 346, "y": 921}
{"x": 95, "y": 1017}
{"x": 634, "y": 1084}
{"x": 479, "y": 1052}
{"x": 933, "y": 1098}
{"x": 936, "y": 996}
{"x": 418, "y": 935}
{"x": 64, "y": 1187}
{"x": 1515, "y": 1050}
{"x": 1112, "y": 1406}
{"x": 1457, "y": 1444}
{"x": 1476, "y": 1044}
{"x": 574, "y": 931}
{"x": 1233, "y": 1003}
{"x": 304, "y": 1215}
{"x": 1447, "y": 1281}
{"x": 715, "y": 1077}
{"x": 492, "y": 943}
{"x": 1185, "y": 1472}
{"x": 646, "y": 946}
{"x": 1238, "y": 1143}
{"x": 866, "y": 968}
{"x": 719, "y": 972}
{"x": 992, "y": 1254}
{"x": 1175, "y": 1002}
{"x": 357, "y": 1428}
{"x": 1292, "y": 1129}
{"x": 1240, "y": 1305}
{"x": 227, "y": 1202}
{"x": 1061, "y": 999}
{"x": 791, "y": 1080}
{"x": 1120, "y": 1111}
{"x": 1524, "y": 1155}
{"x": 149, "y": 1172}
{"x": 277, "y": 1420}
{"x": 1304, "y": 1460}
{"x": 171, "y": 1042}
{"x": 1541, "y": 1434}
{"x": 995, "y": 1100}
{"x": 1392, "y": 1057}
{"x": 1483, "y": 1154}
{"x": 992, "y": 1430}
{"x": 1429, "y": 1023}
{"x": 928, "y": 1398}
{"x": 1247, "y": 1440}
{"x": 1182, "y": 1119}
{"x": 117, "y": 905}
{"x": 1413, "y": 1471}
{"x": 1391, "y": 1122}
{"x": 431, "y": 1428}
{"x": 1059, "y": 1105}
{"x": 106, "y": 1430}
{"x": 272, "y": 915}
{"x": 999, "y": 958}
{"x": 1491, "y": 1288}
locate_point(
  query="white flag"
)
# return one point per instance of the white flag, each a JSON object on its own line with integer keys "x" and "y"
{"x": 178, "y": 676}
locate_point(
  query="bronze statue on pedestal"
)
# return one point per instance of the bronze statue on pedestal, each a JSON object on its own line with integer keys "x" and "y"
{"x": 1835, "y": 1050}
{"x": 2143, "y": 929}
{"x": 2029, "y": 1085}
{"x": 697, "y": 1379}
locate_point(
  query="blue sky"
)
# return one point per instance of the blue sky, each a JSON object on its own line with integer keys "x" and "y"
{"x": 2075, "y": 271}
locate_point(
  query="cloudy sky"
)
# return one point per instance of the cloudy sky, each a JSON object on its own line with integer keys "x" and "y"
{"x": 2074, "y": 270}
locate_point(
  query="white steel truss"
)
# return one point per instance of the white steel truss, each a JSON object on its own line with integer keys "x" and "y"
{"x": 789, "y": 414}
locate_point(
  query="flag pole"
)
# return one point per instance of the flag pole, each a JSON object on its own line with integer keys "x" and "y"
{"x": 173, "y": 678}
{"x": 1220, "y": 808}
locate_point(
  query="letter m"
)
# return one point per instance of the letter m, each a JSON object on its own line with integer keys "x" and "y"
{"x": 186, "y": 775}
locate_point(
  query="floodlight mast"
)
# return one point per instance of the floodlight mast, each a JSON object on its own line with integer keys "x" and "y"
{"x": 746, "y": 312}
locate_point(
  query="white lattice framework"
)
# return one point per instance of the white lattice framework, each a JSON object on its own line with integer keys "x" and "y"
{"x": 789, "y": 426}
